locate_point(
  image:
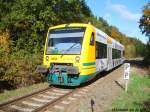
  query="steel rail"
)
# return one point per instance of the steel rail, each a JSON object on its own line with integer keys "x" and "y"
{"x": 23, "y": 97}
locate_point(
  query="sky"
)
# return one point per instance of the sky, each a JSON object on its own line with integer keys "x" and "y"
{"x": 124, "y": 14}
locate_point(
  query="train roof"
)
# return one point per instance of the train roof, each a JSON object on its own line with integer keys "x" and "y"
{"x": 113, "y": 41}
{"x": 110, "y": 39}
{"x": 71, "y": 25}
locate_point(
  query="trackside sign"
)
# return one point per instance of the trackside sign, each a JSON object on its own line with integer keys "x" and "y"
{"x": 126, "y": 71}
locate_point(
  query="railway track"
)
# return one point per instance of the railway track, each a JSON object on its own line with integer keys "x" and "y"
{"x": 49, "y": 99}
{"x": 54, "y": 99}
{"x": 36, "y": 101}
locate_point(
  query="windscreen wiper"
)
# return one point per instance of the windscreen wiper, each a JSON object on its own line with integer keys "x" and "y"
{"x": 69, "y": 49}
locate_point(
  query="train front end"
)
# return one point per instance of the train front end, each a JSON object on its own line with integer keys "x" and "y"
{"x": 63, "y": 55}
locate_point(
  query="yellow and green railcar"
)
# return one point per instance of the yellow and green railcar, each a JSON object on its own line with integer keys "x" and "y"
{"x": 75, "y": 53}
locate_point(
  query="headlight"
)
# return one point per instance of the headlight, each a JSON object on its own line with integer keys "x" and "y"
{"x": 47, "y": 58}
{"x": 77, "y": 58}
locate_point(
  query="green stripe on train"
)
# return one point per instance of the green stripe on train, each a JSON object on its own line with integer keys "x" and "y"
{"x": 89, "y": 68}
{"x": 88, "y": 64}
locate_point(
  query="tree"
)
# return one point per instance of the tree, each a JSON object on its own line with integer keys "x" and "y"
{"x": 145, "y": 28}
{"x": 145, "y": 21}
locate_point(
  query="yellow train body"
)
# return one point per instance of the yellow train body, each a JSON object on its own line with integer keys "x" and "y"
{"x": 84, "y": 62}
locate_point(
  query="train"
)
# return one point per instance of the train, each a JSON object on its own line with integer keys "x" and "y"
{"x": 75, "y": 53}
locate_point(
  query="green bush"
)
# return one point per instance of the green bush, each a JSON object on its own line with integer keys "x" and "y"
{"x": 19, "y": 70}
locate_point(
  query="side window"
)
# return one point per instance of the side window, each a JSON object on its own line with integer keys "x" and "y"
{"x": 97, "y": 51}
{"x": 92, "y": 40}
{"x": 116, "y": 53}
{"x": 101, "y": 50}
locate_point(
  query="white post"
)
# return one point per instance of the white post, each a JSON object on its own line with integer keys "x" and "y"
{"x": 126, "y": 75}
{"x": 126, "y": 86}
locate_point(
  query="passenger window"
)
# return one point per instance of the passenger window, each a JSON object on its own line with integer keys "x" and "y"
{"x": 92, "y": 40}
{"x": 116, "y": 53}
{"x": 101, "y": 50}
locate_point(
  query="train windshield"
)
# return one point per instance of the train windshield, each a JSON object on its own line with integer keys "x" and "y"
{"x": 65, "y": 41}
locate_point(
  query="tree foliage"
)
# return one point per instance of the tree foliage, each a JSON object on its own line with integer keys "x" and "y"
{"x": 145, "y": 28}
{"x": 145, "y": 21}
{"x": 28, "y": 20}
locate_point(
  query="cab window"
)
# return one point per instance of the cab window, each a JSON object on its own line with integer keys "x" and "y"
{"x": 92, "y": 40}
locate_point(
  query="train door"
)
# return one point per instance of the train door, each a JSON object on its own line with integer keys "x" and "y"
{"x": 109, "y": 55}
{"x": 101, "y": 56}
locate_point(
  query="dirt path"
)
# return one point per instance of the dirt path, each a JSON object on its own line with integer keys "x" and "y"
{"x": 98, "y": 96}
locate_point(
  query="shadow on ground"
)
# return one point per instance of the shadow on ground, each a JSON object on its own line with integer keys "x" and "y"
{"x": 121, "y": 86}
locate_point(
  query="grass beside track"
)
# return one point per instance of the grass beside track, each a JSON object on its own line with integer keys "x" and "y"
{"x": 137, "y": 99}
{"x": 7, "y": 95}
